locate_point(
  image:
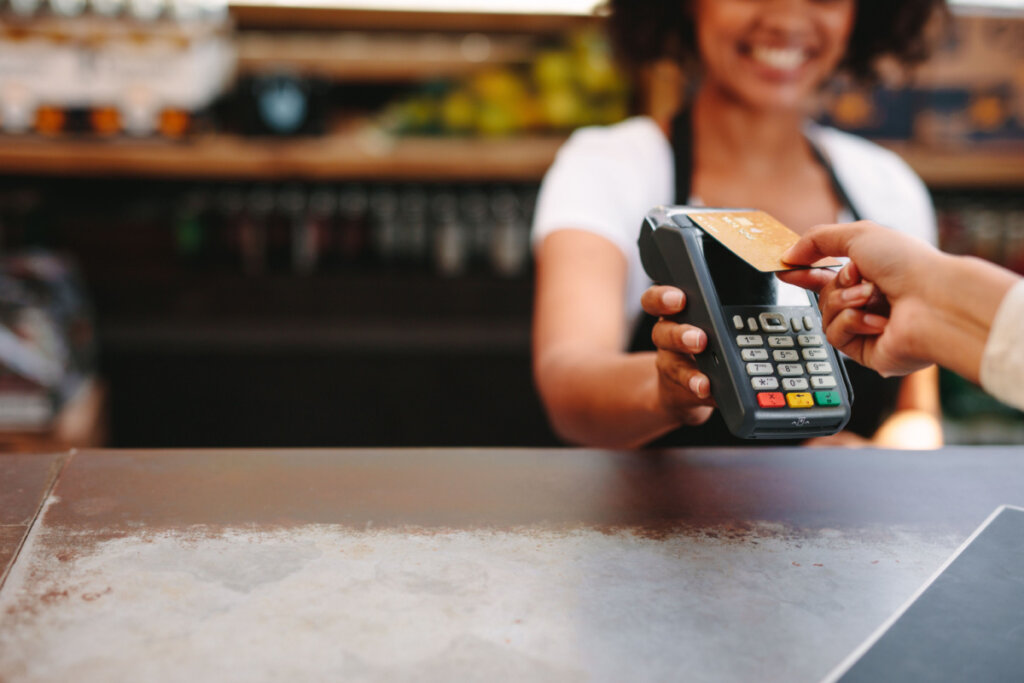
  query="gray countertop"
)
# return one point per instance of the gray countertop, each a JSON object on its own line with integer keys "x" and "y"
{"x": 436, "y": 564}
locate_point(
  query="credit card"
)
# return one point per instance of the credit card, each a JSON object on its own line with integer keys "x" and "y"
{"x": 754, "y": 236}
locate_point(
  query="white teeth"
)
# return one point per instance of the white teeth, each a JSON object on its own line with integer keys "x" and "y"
{"x": 783, "y": 58}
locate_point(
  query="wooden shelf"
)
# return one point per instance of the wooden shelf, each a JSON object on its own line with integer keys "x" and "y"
{"x": 355, "y": 57}
{"x": 375, "y": 157}
{"x": 350, "y": 156}
{"x": 982, "y": 166}
{"x": 255, "y": 16}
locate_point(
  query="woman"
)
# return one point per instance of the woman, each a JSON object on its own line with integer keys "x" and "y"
{"x": 743, "y": 140}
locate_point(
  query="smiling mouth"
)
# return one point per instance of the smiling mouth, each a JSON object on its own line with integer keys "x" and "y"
{"x": 781, "y": 58}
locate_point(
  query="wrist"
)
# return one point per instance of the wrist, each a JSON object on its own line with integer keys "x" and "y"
{"x": 961, "y": 297}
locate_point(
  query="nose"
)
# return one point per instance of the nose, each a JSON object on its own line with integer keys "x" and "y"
{"x": 785, "y": 16}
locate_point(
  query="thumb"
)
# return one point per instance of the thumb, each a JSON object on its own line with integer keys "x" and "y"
{"x": 821, "y": 241}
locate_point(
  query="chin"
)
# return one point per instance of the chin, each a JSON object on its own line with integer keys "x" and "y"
{"x": 775, "y": 100}
{"x": 775, "y": 91}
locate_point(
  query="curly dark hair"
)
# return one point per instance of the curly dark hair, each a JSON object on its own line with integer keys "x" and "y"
{"x": 644, "y": 31}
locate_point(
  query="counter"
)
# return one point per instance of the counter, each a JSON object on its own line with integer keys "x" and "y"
{"x": 767, "y": 564}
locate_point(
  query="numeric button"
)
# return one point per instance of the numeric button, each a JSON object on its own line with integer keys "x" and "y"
{"x": 794, "y": 384}
{"x": 759, "y": 369}
{"x": 779, "y": 342}
{"x": 823, "y": 381}
{"x": 819, "y": 368}
{"x": 815, "y": 354}
{"x": 754, "y": 354}
{"x": 790, "y": 369}
{"x": 808, "y": 339}
{"x": 746, "y": 340}
{"x": 764, "y": 383}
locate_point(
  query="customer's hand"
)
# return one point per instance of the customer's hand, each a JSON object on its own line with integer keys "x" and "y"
{"x": 873, "y": 309}
{"x": 683, "y": 389}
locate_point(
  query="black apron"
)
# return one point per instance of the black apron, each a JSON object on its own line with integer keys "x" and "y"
{"x": 874, "y": 396}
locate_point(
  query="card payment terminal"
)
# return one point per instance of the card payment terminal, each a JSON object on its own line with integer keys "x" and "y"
{"x": 772, "y": 373}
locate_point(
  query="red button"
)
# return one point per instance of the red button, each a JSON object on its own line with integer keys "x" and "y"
{"x": 771, "y": 399}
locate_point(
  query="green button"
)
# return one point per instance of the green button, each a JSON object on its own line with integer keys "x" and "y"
{"x": 826, "y": 398}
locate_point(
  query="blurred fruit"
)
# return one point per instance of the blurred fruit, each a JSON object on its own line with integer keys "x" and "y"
{"x": 495, "y": 120}
{"x": 563, "y": 107}
{"x": 852, "y": 109}
{"x": 988, "y": 112}
{"x": 50, "y": 120}
{"x": 553, "y": 69}
{"x": 499, "y": 84}
{"x": 174, "y": 123}
{"x": 599, "y": 75}
{"x": 105, "y": 121}
{"x": 458, "y": 111}
{"x": 562, "y": 88}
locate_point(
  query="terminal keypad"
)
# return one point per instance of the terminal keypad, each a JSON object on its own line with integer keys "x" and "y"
{"x": 794, "y": 370}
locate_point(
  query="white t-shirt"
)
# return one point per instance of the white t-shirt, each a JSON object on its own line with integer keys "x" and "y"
{"x": 1002, "y": 364}
{"x": 606, "y": 179}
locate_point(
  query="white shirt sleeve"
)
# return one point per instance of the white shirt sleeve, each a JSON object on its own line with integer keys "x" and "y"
{"x": 604, "y": 180}
{"x": 1002, "y": 364}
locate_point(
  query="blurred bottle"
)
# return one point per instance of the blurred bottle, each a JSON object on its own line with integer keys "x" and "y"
{"x": 317, "y": 247}
{"x": 413, "y": 229}
{"x": 187, "y": 11}
{"x": 222, "y": 227}
{"x": 353, "y": 229}
{"x": 216, "y": 11}
{"x": 986, "y": 225}
{"x": 384, "y": 227}
{"x": 277, "y": 227}
{"x": 190, "y": 235}
{"x": 146, "y": 10}
{"x": 474, "y": 209}
{"x": 451, "y": 243}
{"x": 23, "y": 9}
{"x": 252, "y": 230}
{"x": 67, "y": 8}
{"x": 107, "y": 8}
{"x": 299, "y": 247}
{"x": 1014, "y": 259}
{"x": 510, "y": 238}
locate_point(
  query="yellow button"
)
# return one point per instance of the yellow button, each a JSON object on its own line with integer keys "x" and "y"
{"x": 800, "y": 400}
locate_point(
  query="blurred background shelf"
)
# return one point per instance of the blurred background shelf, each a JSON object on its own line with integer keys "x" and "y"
{"x": 263, "y": 16}
{"x": 984, "y": 165}
{"x": 375, "y": 156}
{"x": 338, "y": 157}
{"x": 354, "y": 57}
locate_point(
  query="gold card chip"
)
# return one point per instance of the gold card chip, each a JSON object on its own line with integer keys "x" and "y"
{"x": 754, "y": 236}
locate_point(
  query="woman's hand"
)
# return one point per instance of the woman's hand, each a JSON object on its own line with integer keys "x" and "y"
{"x": 684, "y": 391}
